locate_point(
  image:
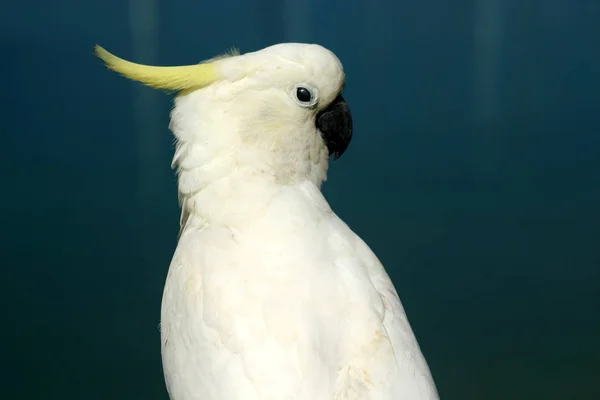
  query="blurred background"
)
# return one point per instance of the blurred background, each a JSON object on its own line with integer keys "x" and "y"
{"x": 474, "y": 175}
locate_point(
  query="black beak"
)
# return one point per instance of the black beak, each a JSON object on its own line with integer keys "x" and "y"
{"x": 335, "y": 125}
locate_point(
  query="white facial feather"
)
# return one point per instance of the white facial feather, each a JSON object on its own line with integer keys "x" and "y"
{"x": 250, "y": 125}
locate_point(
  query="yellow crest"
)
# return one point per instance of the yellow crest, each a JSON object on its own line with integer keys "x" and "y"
{"x": 182, "y": 78}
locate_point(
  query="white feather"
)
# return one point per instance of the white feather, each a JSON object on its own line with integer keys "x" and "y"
{"x": 270, "y": 296}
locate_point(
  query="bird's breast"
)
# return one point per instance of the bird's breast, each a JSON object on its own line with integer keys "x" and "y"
{"x": 278, "y": 301}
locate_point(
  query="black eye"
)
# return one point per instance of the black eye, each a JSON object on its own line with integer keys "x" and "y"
{"x": 303, "y": 95}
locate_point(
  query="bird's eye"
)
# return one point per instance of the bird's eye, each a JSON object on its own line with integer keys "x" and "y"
{"x": 303, "y": 95}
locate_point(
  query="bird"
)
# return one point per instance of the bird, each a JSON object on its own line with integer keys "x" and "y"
{"x": 269, "y": 294}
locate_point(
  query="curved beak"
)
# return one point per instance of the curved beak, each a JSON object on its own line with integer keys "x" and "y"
{"x": 335, "y": 125}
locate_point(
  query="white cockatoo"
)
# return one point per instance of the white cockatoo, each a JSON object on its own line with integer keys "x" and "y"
{"x": 270, "y": 296}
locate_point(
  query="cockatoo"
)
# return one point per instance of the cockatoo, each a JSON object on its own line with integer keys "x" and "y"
{"x": 270, "y": 295}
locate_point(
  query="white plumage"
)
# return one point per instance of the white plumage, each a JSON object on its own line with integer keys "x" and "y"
{"x": 270, "y": 296}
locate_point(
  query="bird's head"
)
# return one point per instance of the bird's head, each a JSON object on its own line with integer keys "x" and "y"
{"x": 279, "y": 110}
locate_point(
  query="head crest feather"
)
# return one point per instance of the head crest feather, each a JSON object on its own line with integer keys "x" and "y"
{"x": 181, "y": 78}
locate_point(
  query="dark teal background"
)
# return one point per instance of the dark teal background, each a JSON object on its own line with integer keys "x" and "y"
{"x": 474, "y": 174}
